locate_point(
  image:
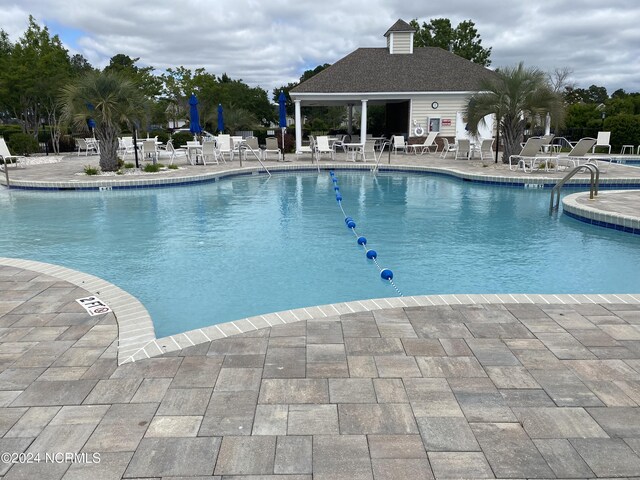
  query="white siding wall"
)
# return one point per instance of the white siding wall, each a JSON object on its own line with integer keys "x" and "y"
{"x": 448, "y": 106}
{"x": 401, "y": 42}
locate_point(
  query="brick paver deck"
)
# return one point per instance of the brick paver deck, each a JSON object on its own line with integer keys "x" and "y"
{"x": 467, "y": 391}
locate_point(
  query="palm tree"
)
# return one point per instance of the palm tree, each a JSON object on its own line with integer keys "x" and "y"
{"x": 517, "y": 96}
{"x": 111, "y": 101}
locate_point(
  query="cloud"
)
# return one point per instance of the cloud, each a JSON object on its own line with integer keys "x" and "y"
{"x": 271, "y": 43}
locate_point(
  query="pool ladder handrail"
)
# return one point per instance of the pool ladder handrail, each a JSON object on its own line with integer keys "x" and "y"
{"x": 383, "y": 145}
{"x": 594, "y": 183}
{"x": 243, "y": 148}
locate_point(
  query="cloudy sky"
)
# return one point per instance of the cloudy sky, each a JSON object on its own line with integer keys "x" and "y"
{"x": 270, "y": 43}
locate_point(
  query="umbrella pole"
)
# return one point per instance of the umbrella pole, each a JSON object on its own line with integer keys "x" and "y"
{"x": 282, "y": 130}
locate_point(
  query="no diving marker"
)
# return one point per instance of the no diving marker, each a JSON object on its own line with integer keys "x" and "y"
{"x": 94, "y": 306}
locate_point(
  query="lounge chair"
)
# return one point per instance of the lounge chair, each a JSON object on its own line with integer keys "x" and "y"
{"x": 486, "y": 149}
{"x": 8, "y": 159}
{"x": 424, "y": 147}
{"x": 463, "y": 149}
{"x": 602, "y": 141}
{"x": 577, "y": 155}
{"x": 398, "y": 143}
{"x": 546, "y": 146}
{"x": 322, "y": 146}
{"x": 272, "y": 147}
{"x": 526, "y": 158}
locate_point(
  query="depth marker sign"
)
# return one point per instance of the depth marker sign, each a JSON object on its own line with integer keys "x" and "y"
{"x": 94, "y": 306}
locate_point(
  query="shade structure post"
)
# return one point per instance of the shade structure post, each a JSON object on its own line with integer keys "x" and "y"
{"x": 298, "y": 126}
{"x": 282, "y": 117}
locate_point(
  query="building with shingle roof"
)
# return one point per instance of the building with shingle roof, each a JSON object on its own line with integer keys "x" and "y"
{"x": 424, "y": 88}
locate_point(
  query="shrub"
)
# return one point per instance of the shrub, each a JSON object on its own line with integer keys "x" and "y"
{"x": 129, "y": 165}
{"x": 89, "y": 170}
{"x": 625, "y": 130}
{"x": 151, "y": 168}
{"x": 67, "y": 144}
{"x": 181, "y": 138}
{"x": 162, "y": 135}
{"x": 173, "y": 167}
{"x": 23, "y": 144}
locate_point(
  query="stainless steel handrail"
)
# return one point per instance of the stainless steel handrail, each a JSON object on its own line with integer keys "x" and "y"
{"x": 594, "y": 183}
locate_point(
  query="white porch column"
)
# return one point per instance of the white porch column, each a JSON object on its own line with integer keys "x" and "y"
{"x": 363, "y": 121}
{"x": 298, "y": 126}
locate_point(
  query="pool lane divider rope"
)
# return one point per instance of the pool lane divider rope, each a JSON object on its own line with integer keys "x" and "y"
{"x": 385, "y": 273}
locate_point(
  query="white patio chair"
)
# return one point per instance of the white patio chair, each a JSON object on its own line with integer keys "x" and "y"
{"x": 447, "y": 148}
{"x": 602, "y": 141}
{"x": 322, "y": 146}
{"x": 398, "y": 143}
{"x": 463, "y": 149}
{"x": 367, "y": 151}
{"x": 93, "y": 145}
{"x": 272, "y": 147}
{"x": 173, "y": 152}
{"x": 252, "y": 146}
{"x": 225, "y": 146}
{"x": 150, "y": 150}
{"x": 209, "y": 152}
{"x": 126, "y": 146}
{"x": 486, "y": 149}
{"x": 81, "y": 144}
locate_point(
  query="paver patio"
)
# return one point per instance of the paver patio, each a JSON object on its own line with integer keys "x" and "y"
{"x": 452, "y": 391}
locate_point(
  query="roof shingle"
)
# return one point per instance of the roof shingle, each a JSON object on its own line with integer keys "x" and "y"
{"x": 428, "y": 69}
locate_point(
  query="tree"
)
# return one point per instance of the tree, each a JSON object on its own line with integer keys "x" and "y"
{"x": 32, "y": 73}
{"x": 593, "y": 94}
{"x": 464, "y": 40}
{"x": 560, "y": 80}
{"x": 518, "y": 95}
{"x": 150, "y": 84}
{"x": 110, "y": 99}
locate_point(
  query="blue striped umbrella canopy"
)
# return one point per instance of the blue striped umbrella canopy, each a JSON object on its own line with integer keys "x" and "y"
{"x": 194, "y": 117}
{"x": 220, "y": 118}
{"x": 282, "y": 108}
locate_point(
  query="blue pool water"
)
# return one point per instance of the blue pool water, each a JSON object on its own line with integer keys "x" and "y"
{"x": 216, "y": 252}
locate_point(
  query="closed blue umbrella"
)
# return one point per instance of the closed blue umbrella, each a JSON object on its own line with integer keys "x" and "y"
{"x": 220, "y": 119}
{"x": 194, "y": 117}
{"x": 282, "y": 100}
{"x": 282, "y": 109}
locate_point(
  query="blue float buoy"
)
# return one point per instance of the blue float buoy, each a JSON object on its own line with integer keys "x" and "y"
{"x": 347, "y": 219}
{"x": 351, "y": 224}
{"x": 334, "y": 180}
{"x": 336, "y": 188}
{"x": 371, "y": 254}
{"x": 331, "y": 173}
{"x": 386, "y": 274}
{"x": 339, "y": 197}
{"x": 362, "y": 241}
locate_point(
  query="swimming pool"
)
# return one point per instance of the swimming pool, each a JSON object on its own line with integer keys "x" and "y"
{"x": 216, "y": 252}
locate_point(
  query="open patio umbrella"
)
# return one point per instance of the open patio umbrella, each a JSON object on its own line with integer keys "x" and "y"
{"x": 194, "y": 117}
{"x": 220, "y": 119}
{"x": 282, "y": 109}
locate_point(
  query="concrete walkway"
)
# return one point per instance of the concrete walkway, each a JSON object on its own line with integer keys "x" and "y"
{"x": 467, "y": 391}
